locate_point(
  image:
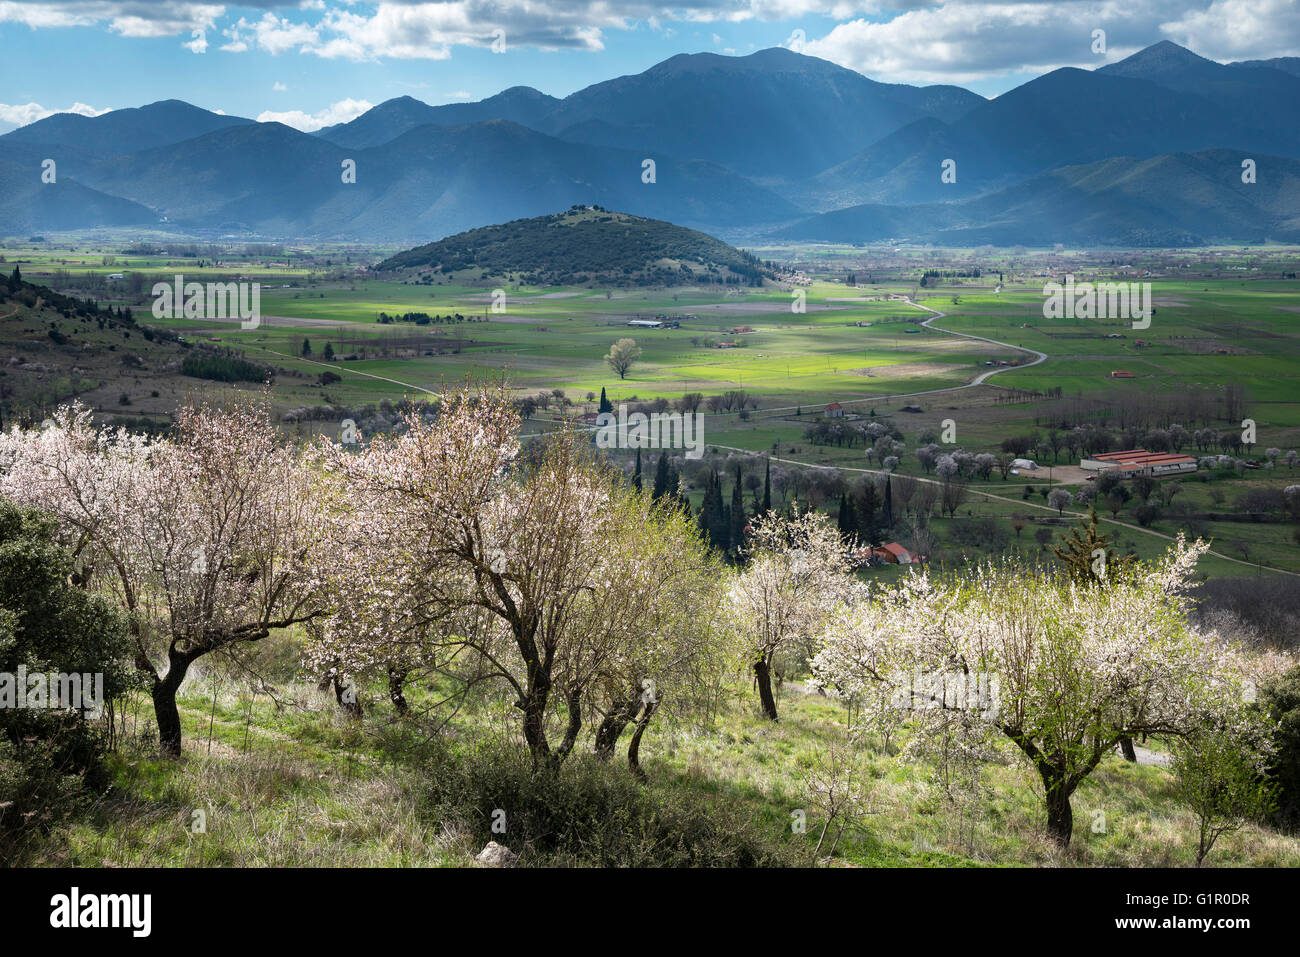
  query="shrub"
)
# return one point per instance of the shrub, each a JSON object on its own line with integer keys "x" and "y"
{"x": 1280, "y": 698}
{"x": 49, "y": 759}
{"x": 587, "y": 813}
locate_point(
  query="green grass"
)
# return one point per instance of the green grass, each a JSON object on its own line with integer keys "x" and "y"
{"x": 301, "y": 785}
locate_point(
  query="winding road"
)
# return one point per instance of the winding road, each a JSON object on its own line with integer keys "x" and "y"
{"x": 978, "y": 380}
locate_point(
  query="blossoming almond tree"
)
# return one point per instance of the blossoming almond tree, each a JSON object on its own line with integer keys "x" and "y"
{"x": 797, "y": 572}
{"x": 544, "y": 573}
{"x": 204, "y": 539}
{"x": 1076, "y": 667}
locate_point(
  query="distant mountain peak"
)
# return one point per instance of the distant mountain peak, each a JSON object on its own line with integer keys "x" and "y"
{"x": 1156, "y": 59}
{"x": 770, "y": 58}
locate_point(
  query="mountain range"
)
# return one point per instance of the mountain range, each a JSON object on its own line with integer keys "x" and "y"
{"x": 776, "y": 144}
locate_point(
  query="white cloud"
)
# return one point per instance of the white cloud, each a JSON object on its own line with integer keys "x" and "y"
{"x": 279, "y": 87}
{"x": 20, "y": 114}
{"x": 459, "y": 95}
{"x": 1239, "y": 29}
{"x": 134, "y": 18}
{"x": 910, "y": 40}
{"x": 340, "y": 112}
{"x": 961, "y": 42}
{"x": 200, "y": 42}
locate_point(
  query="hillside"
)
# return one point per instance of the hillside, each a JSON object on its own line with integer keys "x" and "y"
{"x": 585, "y": 245}
{"x": 1178, "y": 199}
{"x": 60, "y": 348}
{"x": 774, "y": 113}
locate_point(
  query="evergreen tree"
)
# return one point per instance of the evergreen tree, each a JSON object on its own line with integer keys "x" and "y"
{"x": 848, "y": 521}
{"x": 889, "y": 503}
{"x": 306, "y": 347}
{"x": 660, "y": 488}
{"x": 737, "y": 514}
{"x": 767, "y": 488}
{"x": 328, "y": 354}
{"x": 1087, "y": 555}
{"x": 605, "y": 404}
{"x": 868, "y": 504}
{"x": 713, "y": 517}
{"x": 636, "y": 476}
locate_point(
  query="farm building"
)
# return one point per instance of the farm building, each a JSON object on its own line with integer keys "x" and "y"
{"x": 834, "y": 411}
{"x": 1121, "y": 374}
{"x": 1140, "y": 462}
{"x": 1028, "y": 464}
{"x": 646, "y": 323}
{"x": 893, "y": 554}
{"x": 741, "y": 330}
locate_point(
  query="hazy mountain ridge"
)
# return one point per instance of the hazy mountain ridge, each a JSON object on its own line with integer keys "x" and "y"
{"x": 1182, "y": 199}
{"x": 741, "y": 145}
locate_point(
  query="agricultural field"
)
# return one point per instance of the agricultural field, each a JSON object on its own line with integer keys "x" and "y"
{"x": 1224, "y": 320}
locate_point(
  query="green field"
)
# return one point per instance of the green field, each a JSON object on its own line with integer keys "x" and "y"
{"x": 1225, "y": 318}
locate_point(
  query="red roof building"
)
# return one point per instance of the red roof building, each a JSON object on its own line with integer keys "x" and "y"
{"x": 1140, "y": 462}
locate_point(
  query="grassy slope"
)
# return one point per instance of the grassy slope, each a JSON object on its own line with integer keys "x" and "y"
{"x": 303, "y": 786}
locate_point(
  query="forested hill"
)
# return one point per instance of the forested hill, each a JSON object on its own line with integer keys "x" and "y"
{"x": 584, "y": 245}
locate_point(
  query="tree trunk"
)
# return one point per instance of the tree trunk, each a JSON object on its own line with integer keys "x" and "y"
{"x": 573, "y": 700}
{"x": 1060, "y": 817}
{"x": 396, "y": 678}
{"x": 166, "y": 713}
{"x": 169, "y": 719}
{"x": 763, "y": 676}
{"x": 611, "y": 727}
{"x": 1126, "y": 745}
{"x": 533, "y": 705}
{"x": 634, "y": 748}
{"x": 346, "y": 696}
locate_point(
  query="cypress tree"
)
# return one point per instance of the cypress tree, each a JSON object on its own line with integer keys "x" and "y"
{"x": 767, "y": 488}
{"x": 889, "y": 503}
{"x": 868, "y": 499}
{"x": 660, "y": 488}
{"x": 737, "y": 514}
{"x": 713, "y": 515}
{"x": 605, "y": 404}
{"x": 848, "y": 521}
{"x": 636, "y": 476}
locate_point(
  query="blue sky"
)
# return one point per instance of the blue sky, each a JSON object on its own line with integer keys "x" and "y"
{"x": 314, "y": 62}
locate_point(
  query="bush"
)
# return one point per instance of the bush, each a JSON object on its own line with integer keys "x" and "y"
{"x": 49, "y": 759}
{"x": 1280, "y": 698}
{"x": 588, "y": 813}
